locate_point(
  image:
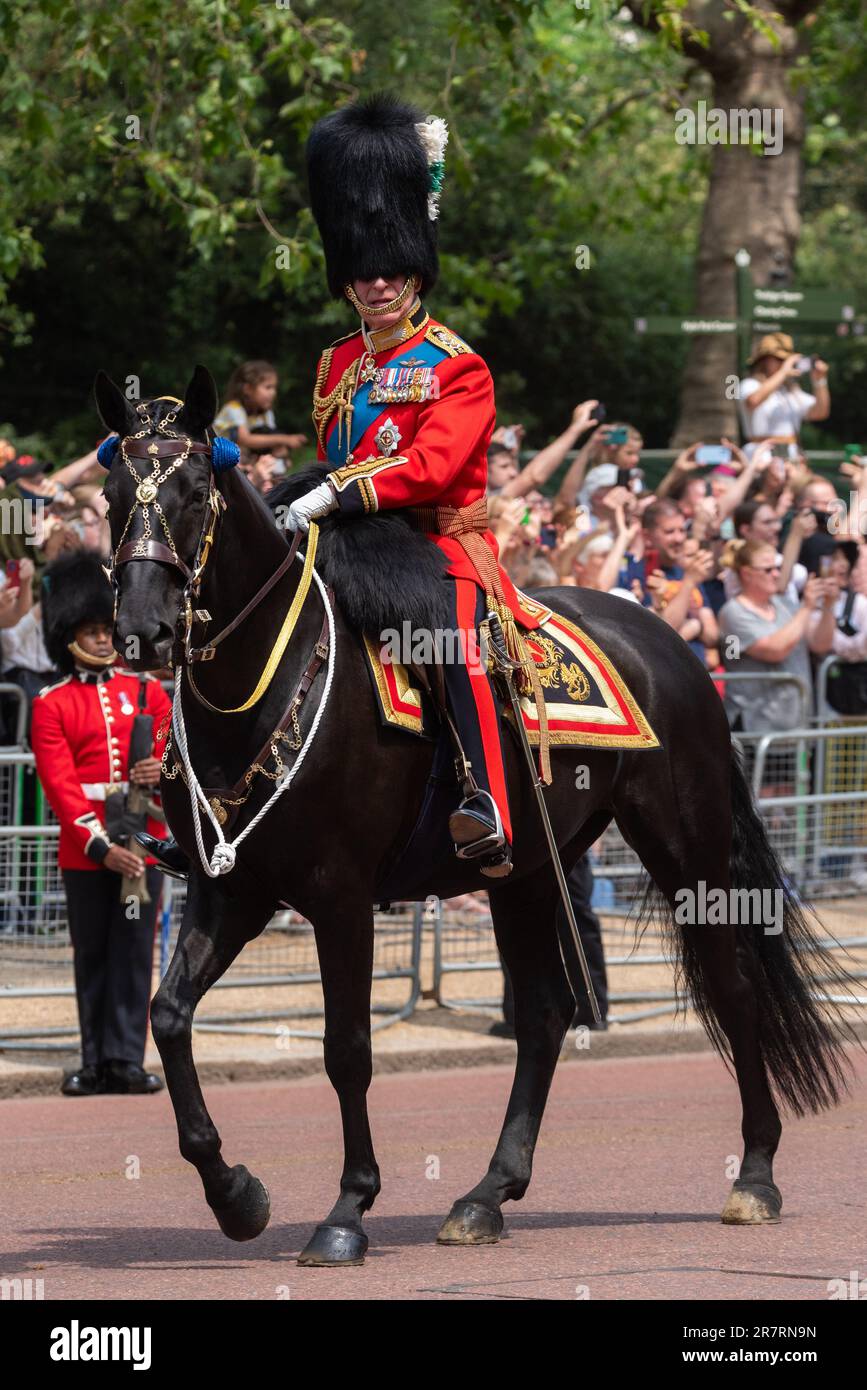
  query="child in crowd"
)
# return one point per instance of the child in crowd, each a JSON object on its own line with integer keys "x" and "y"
{"x": 248, "y": 415}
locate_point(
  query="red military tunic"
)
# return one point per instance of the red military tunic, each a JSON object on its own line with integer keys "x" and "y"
{"x": 80, "y": 737}
{"x": 422, "y": 419}
{"x": 417, "y": 435}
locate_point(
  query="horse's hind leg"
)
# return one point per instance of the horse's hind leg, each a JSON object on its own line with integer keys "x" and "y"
{"x": 524, "y": 924}
{"x": 344, "y": 941}
{"x": 679, "y": 851}
{"x": 214, "y": 929}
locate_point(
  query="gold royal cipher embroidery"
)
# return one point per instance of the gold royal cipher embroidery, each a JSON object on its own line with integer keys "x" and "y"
{"x": 575, "y": 681}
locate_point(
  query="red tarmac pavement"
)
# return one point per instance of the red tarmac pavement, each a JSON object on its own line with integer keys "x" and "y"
{"x": 630, "y": 1178}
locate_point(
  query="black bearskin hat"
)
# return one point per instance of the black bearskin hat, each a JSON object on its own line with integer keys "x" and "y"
{"x": 374, "y": 183}
{"x": 74, "y": 591}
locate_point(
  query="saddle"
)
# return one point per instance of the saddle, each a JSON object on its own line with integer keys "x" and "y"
{"x": 587, "y": 701}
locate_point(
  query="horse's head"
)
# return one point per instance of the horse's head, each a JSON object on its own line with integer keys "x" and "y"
{"x": 163, "y": 505}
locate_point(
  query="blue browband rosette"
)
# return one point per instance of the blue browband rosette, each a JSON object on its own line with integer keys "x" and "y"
{"x": 224, "y": 453}
{"x": 107, "y": 450}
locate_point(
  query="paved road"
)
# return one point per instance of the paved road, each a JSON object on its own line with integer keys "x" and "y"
{"x": 630, "y": 1178}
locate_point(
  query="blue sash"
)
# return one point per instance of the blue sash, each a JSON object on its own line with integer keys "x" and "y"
{"x": 364, "y": 414}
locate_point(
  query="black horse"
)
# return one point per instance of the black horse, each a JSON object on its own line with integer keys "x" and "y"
{"x": 684, "y": 808}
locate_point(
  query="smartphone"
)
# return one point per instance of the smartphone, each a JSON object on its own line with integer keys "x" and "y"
{"x": 510, "y": 437}
{"x": 624, "y": 477}
{"x": 651, "y": 562}
{"x": 781, "y": 451}
{"x": 548, "y": 536}
{"x": 619, "y": 435}
{"x": 852, "y": 452}
{"x": 712, "y": 454}
{"x": 13, "y": 573}
{"x": 598, "y": 413}
{"x": 825, "y": 563}
{"x": 805, "y": 364}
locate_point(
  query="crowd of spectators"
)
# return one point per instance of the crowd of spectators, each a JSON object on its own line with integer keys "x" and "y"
{"x": 747, "y": 552}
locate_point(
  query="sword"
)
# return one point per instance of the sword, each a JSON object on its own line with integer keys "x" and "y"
{"x": 506, "y": 667}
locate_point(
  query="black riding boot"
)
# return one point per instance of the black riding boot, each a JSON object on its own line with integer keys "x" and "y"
{"x": 477, "y": 830}
{"x": 168, "y": 854}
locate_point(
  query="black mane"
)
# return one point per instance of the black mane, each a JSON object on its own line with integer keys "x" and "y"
{"x": 383, "y": 571}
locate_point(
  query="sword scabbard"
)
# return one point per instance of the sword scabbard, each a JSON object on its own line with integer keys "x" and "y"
{"x": 505, "y": 668}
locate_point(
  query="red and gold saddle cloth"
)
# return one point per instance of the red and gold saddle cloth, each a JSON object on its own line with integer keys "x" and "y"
{"x": 587, "y": 700}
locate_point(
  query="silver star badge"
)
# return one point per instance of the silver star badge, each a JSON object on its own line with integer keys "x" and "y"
{"x": 388, "y": 437}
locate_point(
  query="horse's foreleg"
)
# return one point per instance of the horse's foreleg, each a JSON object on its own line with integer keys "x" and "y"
{"x": 214, "y": 930}
{"x": 524, "y": 923}
{"x": 344, "y": 940}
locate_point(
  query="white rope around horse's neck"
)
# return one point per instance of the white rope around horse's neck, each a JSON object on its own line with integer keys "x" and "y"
{"x": 222, "y": 859}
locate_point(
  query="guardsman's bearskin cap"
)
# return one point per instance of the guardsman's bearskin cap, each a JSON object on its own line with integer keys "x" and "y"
{"x": 375, "y": 170}
{"x": 74, "y": 591}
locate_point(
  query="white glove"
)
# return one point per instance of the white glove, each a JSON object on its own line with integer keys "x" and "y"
{"x": 308, "y": 508}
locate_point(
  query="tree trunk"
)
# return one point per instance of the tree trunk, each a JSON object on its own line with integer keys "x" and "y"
{"x": 752, "y": 200}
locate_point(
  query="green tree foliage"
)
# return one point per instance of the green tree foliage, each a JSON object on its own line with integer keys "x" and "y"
{"x": 153, "y": 208}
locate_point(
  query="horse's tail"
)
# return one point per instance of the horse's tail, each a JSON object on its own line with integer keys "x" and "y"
{"x": 802, "y": 1036}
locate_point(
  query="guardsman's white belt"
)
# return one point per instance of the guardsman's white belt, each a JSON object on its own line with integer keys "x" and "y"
{"x": 98, "y": 791}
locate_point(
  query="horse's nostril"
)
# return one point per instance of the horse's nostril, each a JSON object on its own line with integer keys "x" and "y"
{"x": 144, "y": 641}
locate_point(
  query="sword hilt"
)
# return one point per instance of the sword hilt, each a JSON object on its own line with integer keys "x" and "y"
{"x": 497, "y": 639}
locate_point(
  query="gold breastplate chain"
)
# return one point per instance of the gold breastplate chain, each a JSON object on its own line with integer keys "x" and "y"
{"x": 339, "y": 398}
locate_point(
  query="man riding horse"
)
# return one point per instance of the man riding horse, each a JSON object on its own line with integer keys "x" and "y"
{"x": 404, "y": 413}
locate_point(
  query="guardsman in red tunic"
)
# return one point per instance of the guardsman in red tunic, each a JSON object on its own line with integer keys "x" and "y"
{"x": 404, "y": 411}
{"x": 81, "y": 735}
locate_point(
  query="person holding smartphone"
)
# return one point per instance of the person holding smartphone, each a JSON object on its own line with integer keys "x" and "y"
{"x": 773, "y": 404}
{"x": 772, "y": 634}
{"x": 16, "y": 593}
{"x": 846, "y": 688}
{"x": 670, "y": 576}
{"x": 519, "y": 481}
{"x": 23, "y": 659}
{"x": 612, "y": 452}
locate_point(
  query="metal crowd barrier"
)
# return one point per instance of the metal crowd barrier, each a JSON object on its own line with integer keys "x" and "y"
{"x": 36, "y": 953}
{"x": 811, "y": 789}
{"x": 285, "y": 954}
{"x": 817, "y": 827}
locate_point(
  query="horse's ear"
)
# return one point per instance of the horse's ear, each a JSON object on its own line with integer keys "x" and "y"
{"x": 200, "y": 402}
{"x": 111, "y": 403}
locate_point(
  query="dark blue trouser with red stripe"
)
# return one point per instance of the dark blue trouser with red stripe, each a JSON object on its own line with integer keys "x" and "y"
{"x": 471, "y": 698}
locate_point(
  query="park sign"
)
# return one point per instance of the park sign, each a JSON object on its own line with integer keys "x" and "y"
{"x": 793, "y": 306}
{"x": 670, "y": 323}
{"x": 766, "y": 311}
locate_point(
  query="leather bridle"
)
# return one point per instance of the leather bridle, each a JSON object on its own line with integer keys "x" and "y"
{"x": 177, "y": 449}
{"x": 173, "y": 449}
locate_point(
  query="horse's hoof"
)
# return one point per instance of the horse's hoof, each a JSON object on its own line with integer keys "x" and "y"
{"x": 244, "y": 1214}
{"x": 471, "y": 1223}
{"x": 334, "y": 1245}
{"x": 754, "y": 1204}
